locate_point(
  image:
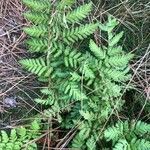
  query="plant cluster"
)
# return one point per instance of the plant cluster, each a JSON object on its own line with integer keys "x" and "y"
{"x": 129, "y": 135}
{"x": 84, "y": 85}
{"x": 20, "y": 138}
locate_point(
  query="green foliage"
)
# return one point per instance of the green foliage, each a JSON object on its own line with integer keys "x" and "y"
{"x": 37, "y": 45}
{"x": 37, "y": 5}
{"x": 37, "y": 66}
{"x": 129, "y": 135}
{"x": 37, "y": 18}
{"x": 86, "y": 84}
{"x": 20, "y": 138}
{"x": 79, "y": 14}
{"x": 78, "y": 33}
{"x": 36, "y": 31}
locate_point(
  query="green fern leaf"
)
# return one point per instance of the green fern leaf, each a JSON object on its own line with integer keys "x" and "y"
{"x": 140, "y": 144}
{"x": 37, "y": 18}
{"x": 75, "y": 77}
{"x": 119, "y": 60}
{"x": 78, "y": 33}
{"x": 91, "y": 143}
{"x": 72, "y": 57}
{"x": 37, "y": 66}
{"x": 142, "y": 128}
{"x": 115, "y": 50}
{"x": 37, "y": 5}
{"x": 112, "y": 133}
{"x": 37, "y": 45}
{"x": 79, "y": 14}
{"x": 63, "y": 3}
{"x": 98, "y": 52}
{"x": 72, "y": 88}
{"x": 13, "y": 135}
{"x": 36, "y": 31}
{"x": 115, "y": 39}
{"x": 86, "y": 71}
{"x": 121, "y": 145}
{"x": 4, "y": 137}
{"x": 116, "y": 75}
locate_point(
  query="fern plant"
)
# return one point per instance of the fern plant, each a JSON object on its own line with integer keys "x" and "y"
{"x": 20, "y": 138}
{"x": 85, "y": 84}
{"x": 54, "y": 32}
{"x": 104, "y": 72}
{"x": 129, "y": 135}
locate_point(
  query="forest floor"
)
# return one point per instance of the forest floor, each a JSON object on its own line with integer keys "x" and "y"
{"x": 17, "y": 87}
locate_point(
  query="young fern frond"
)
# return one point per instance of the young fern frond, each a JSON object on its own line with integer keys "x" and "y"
{"x": 121, "y": 145}
{"x": 116, "y": 75}
{"x": 142, "y": 128}
{"x": 114, "y": 40}
{"x": 79, "y": 14}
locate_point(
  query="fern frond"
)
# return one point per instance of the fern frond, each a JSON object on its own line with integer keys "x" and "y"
{"x": 13, "y": 135}
{"x": 37, "y": 18}
{"x": 19, "y": 137}
{"x": 37, "y": 66}
{"x": 38, "y": 5}
{"x": 72, "y": 88}
{"x": 72, "y": 57}
{"x": 37, "y": 45}
{"x": 87, "y": 115}
{"x": 4, "y": 137}
{"x": 57, "y": 49}
{"x": 142, "y": 128}
{"x": 36, "y": 31}
{"x": 115, "y": 39}
{"x": 75, "y": 76}
{"x": 121, "y": 145}
{"x": 116, "y": 75}
{"x": 114, "y": 132}
{"x": 78, "y": 33}
{"x": 47, "y": 101}
{"x": 112, "y": 51}
{"x": 139, "y": 144}
{"x": 91, "y": 143}
{"x": 79, "y": 140}
{"x": 98, "y": 52}
{"x": 86, "y": 71}
{"x": 63, "y": 3}
{"x": 53, "y": 111}
{"x": 79, "y": 14}
{"x": 119, "y": 60}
